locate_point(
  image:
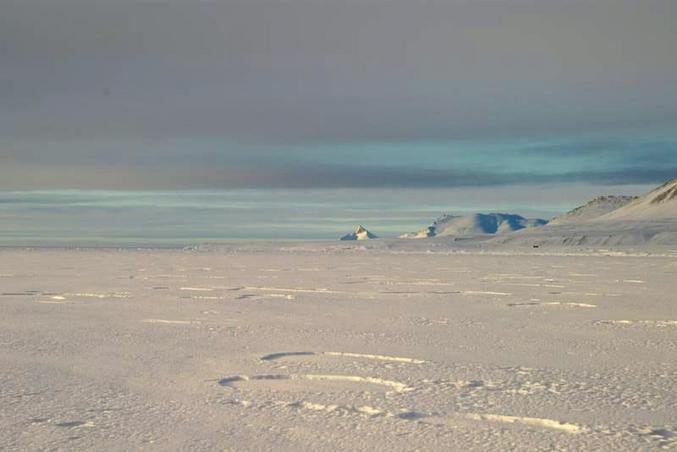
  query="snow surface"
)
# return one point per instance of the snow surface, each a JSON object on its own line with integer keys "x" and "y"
{"x": 385, "y": 345}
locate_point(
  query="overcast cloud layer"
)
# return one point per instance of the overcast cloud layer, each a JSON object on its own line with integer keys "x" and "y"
{"x": 336, "y": 93}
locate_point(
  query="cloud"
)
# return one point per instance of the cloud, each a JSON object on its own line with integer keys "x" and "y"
{"x": 335, "y": 93}
{"x": 218, "y": 171}
{"x": 302, "y": 71}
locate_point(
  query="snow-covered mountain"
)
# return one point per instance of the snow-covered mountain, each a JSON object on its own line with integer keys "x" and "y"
{"x": 659, "y": 204}
{"x": 360, "y": 234}
{"x": 593, "y": 209}
{"x": 477, "y": 224}
{"x": 648, "y": 219}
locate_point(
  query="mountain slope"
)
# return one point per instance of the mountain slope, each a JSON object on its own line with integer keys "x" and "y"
{"x": 650, "y": 220}
{"x": 659, "y": 204}
{"x": 593, "y": 209}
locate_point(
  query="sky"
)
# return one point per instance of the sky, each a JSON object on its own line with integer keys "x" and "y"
{"x": 337, "y": 94}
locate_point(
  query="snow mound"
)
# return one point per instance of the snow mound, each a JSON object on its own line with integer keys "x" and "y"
{"x": 360, "y": 233}
{"x": 473, "y": 225}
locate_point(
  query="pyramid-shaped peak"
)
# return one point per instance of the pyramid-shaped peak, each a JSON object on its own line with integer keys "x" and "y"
{"x": 361, "y": 233}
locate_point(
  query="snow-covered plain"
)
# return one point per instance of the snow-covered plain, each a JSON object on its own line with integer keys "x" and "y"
{"x": 337, "y": 347}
